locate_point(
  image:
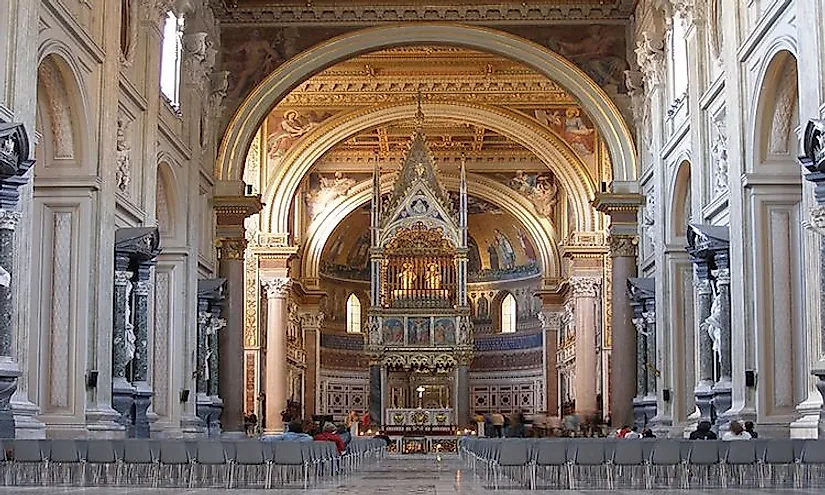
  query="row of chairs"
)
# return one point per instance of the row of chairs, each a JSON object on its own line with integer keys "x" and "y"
{"x": 179, "y": 463}
{"x": 646, "y": 464}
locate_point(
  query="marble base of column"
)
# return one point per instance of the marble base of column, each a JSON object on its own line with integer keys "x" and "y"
{"x": 26, "y": 424}
{"x": 8, "y": 385}
{"x": 215, "y": 425}
{"x": 143, "y": 399}
{"x": 376, "y": 408}
{"x": 820, "y": 386}
{"x": 123, "y": 400}
{"x": 722, "y": 401}
{"x": 203, "y": 408}
{"x": 703, "y": 394}
{"x": 651, "y": 409}
{"x": 639, "y": 414}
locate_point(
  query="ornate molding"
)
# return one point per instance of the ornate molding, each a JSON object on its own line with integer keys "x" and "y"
{"x": 9, "y": 219}
{"x": 141, "y": 288}
{"x": 138, "y": 243}
{"x": 278, "y": 287}
{"x": 123, "y": 277}
{"x": 650, "y": 55}
{"x": 585, "y": 286}
{"x": 550, "y": 320}
{"x": 722, "y": 276}
{"x": 334, "y": 13}
{"x": 123, "y": 173}
{"x": 312, "y": 320}
{"x": 703, "y": 286}
{"x": 231, "y": 248}
{"x": 623, "y": 246}
{"x": 14, "y": 162}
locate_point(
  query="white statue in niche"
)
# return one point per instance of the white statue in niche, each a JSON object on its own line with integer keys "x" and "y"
{"x": 649, "y": 218}
{"x": 713, "y": 324}
{"x": 719, "y": 155}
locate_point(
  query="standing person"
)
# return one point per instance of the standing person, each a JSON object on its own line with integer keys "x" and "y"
{"x": 749, "y": 429}
{"x": 498, "y": 423}
{"x": 633, "y": 434}
{"x": 352, "y": 423}
{"x": 736, "y": 432}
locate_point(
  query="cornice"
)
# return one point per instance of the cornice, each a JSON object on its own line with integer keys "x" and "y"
{"x": 356, "y": 14}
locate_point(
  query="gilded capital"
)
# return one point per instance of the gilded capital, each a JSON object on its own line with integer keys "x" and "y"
{"x": 277, "y": 287}
{"x": 585, "y": 286}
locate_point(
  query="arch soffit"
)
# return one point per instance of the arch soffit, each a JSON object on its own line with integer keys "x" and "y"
{"x": 763, "y": 85}
{"x": 265, "y": 96}
{"x": 75, "y": 98}
{"x": 548, "y": 147}
{"x": 679, "y": 189}
{"x": 168, "y": 180}
{"x": 541, "y": 231}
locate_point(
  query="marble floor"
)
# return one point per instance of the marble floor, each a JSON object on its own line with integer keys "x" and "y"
{"x": 395, "y": 475}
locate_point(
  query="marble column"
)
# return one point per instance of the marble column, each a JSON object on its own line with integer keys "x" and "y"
{"x": 586, "y": 292}
{"x": 623, "y": 355}
{"x": 14, "y": 162}
{"x": 376, "y": 388}
{"x": 550, "y": 323}
{"x": 704, "y": 298}
{"x": 651, "y": 367}
{"x": 216, "y": 324}
{"x": 8, "y": 369}
{"x": 231, "y": 369}
{"x": 140, "y": 363}
{"x": 722, "y": 389}
{"x": 203, "y": 406}
{"x": 311, "y": 325}
{"x": 639, "y": 413}
{"x": 275, "y": 386}
{"x": 122, "y": 343}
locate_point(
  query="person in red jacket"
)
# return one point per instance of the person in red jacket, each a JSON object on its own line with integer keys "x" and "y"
{"x": 329, "y": 435}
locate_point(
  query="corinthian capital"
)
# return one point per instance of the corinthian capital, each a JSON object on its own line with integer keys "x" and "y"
{"x": 312, "y": 320}
{"x": 277, "y": 287}
{"x": 585, "y": 286}
{"x": 550, "y": 320}
{"x": 623, "y": 245}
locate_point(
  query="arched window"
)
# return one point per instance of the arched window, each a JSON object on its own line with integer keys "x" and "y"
{"x": 170, "y": 58}
{"x": 508, "y": 314}
{"x": 353, "y": 314}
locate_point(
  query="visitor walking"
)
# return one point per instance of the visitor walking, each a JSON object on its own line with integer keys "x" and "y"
{"x": 498, "y": 423}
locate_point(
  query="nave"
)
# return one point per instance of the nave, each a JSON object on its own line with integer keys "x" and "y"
{"x": 397, "y": 475}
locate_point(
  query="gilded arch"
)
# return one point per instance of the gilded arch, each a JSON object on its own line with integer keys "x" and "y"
{"x": 254, "y": 109}
{"x": 550, "y": 149}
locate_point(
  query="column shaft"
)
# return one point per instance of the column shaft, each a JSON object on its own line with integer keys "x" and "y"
{"x": 8, "y": 370}
{"x": 462, "y": 413}
{"x": 585, "y": 294}
{"x": 623, "y": 355}
{"x": 551, "y": 320}
{"x": 275, "y": 387}
{"x": 375, "y": 407}
{"x": 231, "y": 372}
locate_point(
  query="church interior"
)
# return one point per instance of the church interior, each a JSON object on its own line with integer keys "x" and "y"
{"x": 220, "y": 215}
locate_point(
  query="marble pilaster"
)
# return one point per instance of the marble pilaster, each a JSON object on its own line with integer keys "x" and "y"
{"x": 311, "y": 322}
{"x": 550, "y": 323}
{"x": 231, "y": 343}
{"x": 586, "y": 292}
{"x": 376, "y": 387}
{"x": 275, "y": 385}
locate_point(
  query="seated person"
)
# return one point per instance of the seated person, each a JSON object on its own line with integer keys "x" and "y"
{"x": 329, "y": 435}
{"x": 294, "y": 433}
{"x": 345, "y": 435}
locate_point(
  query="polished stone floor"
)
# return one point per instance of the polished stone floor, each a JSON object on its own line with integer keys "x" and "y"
{"x": 395, "y": 476}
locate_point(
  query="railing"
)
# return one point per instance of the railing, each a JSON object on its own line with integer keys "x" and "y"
{"x": 672, "y": 464}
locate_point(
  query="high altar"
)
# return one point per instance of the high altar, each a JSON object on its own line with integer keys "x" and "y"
{"x": 420, "y": 336}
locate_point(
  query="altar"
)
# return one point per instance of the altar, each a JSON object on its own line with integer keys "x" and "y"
{"x": 418, "y": 417}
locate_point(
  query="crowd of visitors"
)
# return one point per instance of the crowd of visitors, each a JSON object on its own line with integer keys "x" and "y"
{"x": 497, "y": 424}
